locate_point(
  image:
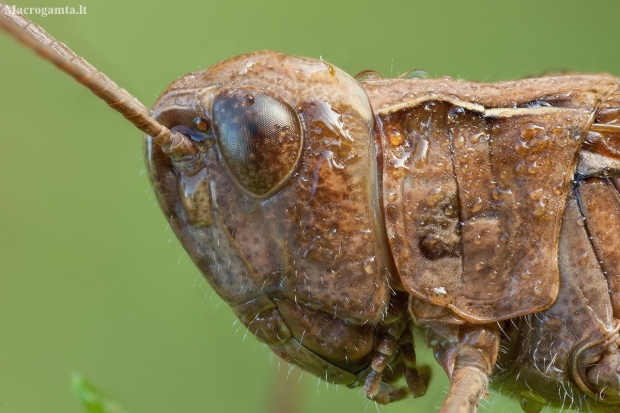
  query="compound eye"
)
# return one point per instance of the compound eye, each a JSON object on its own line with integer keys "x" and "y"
{"x": 260, "y": 139}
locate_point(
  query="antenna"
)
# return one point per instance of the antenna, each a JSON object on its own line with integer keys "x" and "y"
{"x": 176, "y": 145}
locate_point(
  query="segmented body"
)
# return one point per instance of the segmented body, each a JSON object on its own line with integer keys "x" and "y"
{"x": 508, "y": 201}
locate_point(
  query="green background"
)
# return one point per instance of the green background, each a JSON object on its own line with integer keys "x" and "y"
{"x": 91, "y": 278}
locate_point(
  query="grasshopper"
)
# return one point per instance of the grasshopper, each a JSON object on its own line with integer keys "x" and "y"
{"x": 335, "y": 215}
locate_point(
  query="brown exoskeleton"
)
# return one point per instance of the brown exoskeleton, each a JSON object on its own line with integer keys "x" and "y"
{"x": 334, "y": 216}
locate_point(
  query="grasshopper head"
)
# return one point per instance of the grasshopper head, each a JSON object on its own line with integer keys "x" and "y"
{"x": 282, "y": 206}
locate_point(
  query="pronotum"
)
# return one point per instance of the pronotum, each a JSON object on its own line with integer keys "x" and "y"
{"x": 465, "y": 210}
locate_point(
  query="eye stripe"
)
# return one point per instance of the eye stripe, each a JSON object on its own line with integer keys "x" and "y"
{"x": 195, "y": 135}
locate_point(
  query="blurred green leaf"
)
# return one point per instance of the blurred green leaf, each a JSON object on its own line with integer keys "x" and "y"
{"x": 92, "y": 399}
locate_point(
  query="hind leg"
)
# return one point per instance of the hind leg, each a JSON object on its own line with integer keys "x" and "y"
{"x": 468, "y": 354}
